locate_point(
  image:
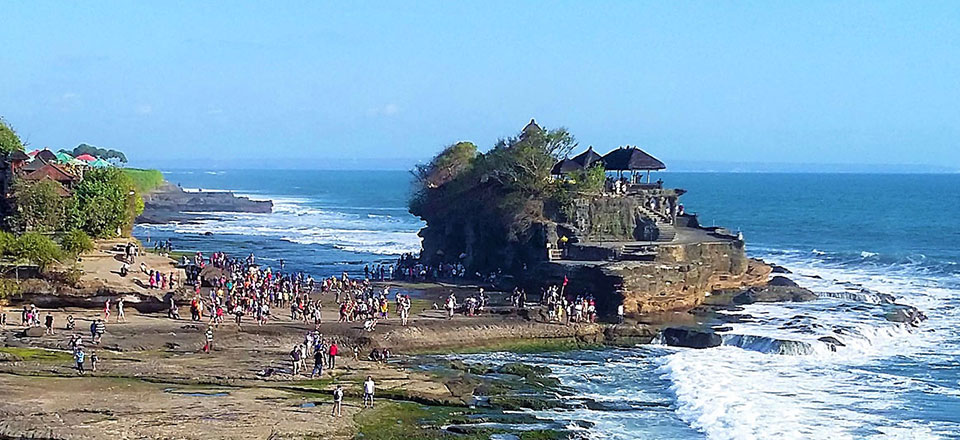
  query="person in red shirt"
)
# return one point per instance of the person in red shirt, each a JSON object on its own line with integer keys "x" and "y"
{"x": 333, "y": 354}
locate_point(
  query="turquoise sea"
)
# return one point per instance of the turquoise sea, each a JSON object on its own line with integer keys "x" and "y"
{"x": 853, "y": 239}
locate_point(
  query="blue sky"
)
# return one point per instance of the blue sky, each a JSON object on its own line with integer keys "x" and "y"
{"x": 313, "y": 83}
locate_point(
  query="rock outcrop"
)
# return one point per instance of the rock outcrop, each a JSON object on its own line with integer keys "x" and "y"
{"x": 170, "y": 203}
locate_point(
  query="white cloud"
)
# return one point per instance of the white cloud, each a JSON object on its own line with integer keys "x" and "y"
{"x": 144, "y": 109}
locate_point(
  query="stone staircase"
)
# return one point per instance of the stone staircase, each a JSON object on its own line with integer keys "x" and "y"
{"x": 638, "y": 251}
{"x": 667, "y": 232}
{"x": 654, "y": 215}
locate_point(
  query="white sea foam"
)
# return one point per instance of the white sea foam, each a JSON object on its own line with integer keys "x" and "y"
{"x": 295, "y": 220}
{"x": 774, "y": 378}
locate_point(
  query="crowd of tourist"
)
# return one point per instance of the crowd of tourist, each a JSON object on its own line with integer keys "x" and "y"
{"x": 573, "y": 309}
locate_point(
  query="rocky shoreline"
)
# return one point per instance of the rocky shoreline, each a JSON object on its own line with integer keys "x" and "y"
{"x": 170, "y": 203}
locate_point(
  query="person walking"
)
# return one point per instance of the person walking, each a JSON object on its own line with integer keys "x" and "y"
{"x": 337, "y": 402}
{"x": 368, "y": 388}
{"x": 106, "y": 309}
{"x": 120, "y": 316}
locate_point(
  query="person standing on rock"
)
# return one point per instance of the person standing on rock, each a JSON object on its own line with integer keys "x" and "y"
{"x": 120, "y": 316}
{"x": 317, "y": 364}
{"x": 99, "y": 328}
{"x": 337, "y": 402}
{"x": 79, "y": 355}
{"x": 209, "y": 340}
{"x": 48, "y": 322}
{"x": 296, "y": 356}
{"x": 368, "y": 388}
{"x": 334, "y": 350}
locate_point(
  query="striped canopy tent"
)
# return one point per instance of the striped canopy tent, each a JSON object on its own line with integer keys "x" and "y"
{"x": 100, "y": 163}
{"x": 632, "y": 159}
{"x": 63, "y": 157}
{"x": 86, "y": 158}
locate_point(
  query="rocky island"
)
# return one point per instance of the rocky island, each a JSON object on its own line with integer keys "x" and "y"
{"x": 590, "y": 220}
{"x": 169, "y": 202}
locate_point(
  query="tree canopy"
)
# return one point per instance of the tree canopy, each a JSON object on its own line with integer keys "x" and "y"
{"x": 103, "y": 153}
{"x": 40, "y": 207}
{"x": 107, "y": 201}
{"x": 492, "y": 199}
{"x": 9, "y": 141}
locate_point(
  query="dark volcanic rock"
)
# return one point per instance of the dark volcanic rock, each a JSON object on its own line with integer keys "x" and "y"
{"x": 778, "y": 269}
{"x": 779, "y": 281}
{"x": 832, "y": 340}
{"x": 681, "y": 337}
{"x": 169, "y": 202}
{"x": 906, "y": 314}
{"x": 33, "y": 332}
{"x": 774, "y": 294}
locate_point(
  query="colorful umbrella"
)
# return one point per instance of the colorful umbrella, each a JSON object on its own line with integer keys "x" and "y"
{"x": 100, "y": 163}
{"x": 63, "y": 157}
{"x": 86, "y": 158}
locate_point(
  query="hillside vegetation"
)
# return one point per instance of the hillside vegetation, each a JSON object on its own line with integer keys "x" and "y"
{"x": 144, "y": 180}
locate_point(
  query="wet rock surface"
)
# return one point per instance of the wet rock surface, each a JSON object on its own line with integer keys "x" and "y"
{"x": 690, "y": 338}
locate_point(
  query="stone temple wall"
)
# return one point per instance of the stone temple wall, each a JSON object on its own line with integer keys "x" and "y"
{"x": 679, "y": 279}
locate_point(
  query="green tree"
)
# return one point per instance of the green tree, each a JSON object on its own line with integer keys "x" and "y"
{"x": 106, "y": 201}
{"x": 76, "y": 242}
{"x": 523, "y": 163}
{"x": 102, "y": 153}
{"x": 37, "y": 249}
{"x": 39, "y": 206}
{"x": 9, "y": 141}
{"x": 591, "y": 180}
{"x": 447, "y": 165}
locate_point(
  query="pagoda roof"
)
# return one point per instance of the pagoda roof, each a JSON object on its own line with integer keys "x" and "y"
{"x": 565, "y": 166}
{"x": 631, "y": 158}
{"x": 51, "y": 171}
{"x": 19, "y": 155}
{"x": 587, "y": 158}
{"x": 46, "y": 155}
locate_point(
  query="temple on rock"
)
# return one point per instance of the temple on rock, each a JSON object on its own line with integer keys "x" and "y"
{"x": 634, "y": 244}
{"x": 602, "y": 222}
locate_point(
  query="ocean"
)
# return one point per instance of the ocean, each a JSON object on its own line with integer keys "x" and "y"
{"x": 850, "y": 238}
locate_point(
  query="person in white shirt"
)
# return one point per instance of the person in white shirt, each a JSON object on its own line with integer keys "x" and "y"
{"x": 337, "y": 402}
{"x": 368, "y": 388}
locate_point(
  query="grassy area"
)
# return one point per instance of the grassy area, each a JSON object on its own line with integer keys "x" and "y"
{"x": 396, "y": 420}
{"x": 541, "y": 345}
{"x": 37, "y": 354}
{"x": 145, "y": 180}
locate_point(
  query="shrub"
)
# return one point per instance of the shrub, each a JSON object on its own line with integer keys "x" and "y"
{"x": 39, "y": 207}
{"x": 8, "y": 242}
{"x": 76, "y": 242}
